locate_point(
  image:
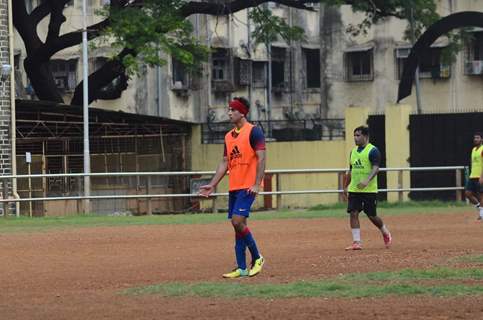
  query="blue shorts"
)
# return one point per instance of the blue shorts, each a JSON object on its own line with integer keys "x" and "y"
{"x": 240, "y": 203}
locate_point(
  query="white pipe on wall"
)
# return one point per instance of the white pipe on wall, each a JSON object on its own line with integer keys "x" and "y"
{"x": 13, "y": 133}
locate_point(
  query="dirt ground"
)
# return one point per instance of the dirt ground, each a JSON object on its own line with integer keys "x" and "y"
{"x": 79, "y": 273}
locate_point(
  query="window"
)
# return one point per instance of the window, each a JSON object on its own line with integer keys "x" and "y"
{"x": 430, "y": 64}
{"x": 64, "y": 72}
{"x": 19, "y": 86}
{"x": 359, "y": 65}
{"x": 16, "y": 61}
{"x": 401, "y": 55}
{"x": 474, "y": 55}
{"x": 259, "y": 74}
{"x": 221, "y": 71}
{"x": 278, "y": 67}
{"x": 312, "y": 67}
{"x": 180, "y": 75}
{"x": 220, "y": 64}
{"x": 242, "y": 71}
{"x": 475, "y": 48}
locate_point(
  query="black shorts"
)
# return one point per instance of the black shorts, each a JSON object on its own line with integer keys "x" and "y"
{"x": 474, "y": 186}
{"x": 361, "y": 201}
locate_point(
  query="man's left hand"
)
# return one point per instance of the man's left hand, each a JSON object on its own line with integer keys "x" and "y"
{"x": 253, "y": 189}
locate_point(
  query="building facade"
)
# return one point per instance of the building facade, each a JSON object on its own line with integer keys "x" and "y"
{"x": 314, "y": 79}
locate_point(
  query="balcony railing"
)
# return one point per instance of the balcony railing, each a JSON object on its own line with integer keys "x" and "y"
{"x": 282, "y": 130}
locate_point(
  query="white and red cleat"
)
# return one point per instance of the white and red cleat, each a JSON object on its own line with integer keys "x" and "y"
{"x": 387, "y": 239}
{"x": 356, "y": 245}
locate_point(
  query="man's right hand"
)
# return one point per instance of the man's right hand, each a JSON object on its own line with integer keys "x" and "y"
{"x": 345, "y": 194}
{"x": 206, "y": 190}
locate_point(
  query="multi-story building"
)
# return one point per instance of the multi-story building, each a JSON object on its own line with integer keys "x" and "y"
{"x": 366, "y": 70}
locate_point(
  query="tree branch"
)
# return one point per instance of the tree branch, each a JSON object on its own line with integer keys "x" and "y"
{"x": 219, "y": 9}
{"x": 40, "y": 12}
{"x": 26, "y": 29}
{"x": 378, "y": 8}
{"x": 101, "y": 78}
{"x": 114, "y": 91}
{"x": 57, "y": 18}
{"x": 74, "y": 38}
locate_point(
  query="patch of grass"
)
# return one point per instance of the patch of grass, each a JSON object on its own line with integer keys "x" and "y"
{"x": 411, "y": 274}
{"x": 24, "y": 224}
{"x": 47, "y": 223}
{"x": 38, "y": 224}
{"x": 470, "y": 258}
{"x": 302, "y": 289}
{"x": 396, "y": 208}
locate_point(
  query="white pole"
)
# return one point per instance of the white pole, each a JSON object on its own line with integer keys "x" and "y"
{"x": 13, "y": 131}
{"x": 85, "y": 75}
{"x": 268, "y": 47}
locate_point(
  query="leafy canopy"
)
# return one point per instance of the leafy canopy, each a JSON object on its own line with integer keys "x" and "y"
{"x": 147, "y": 30}
{"x": 157, "y": 25}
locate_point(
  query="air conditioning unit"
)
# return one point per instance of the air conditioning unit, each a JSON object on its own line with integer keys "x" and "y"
{"x": 178, "y": 85}
{"x": 474, "y": 67}
{"x": 180, "y": 89}
{"x": 402, "y": 53}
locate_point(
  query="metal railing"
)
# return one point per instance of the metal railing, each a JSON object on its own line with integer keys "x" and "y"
{"x": 279, "y": 192}
{"x": 282, "y": 130}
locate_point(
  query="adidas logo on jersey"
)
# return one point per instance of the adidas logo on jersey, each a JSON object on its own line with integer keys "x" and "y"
{"x": 235, "y": 153}
{"x": 357, "y": 164}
